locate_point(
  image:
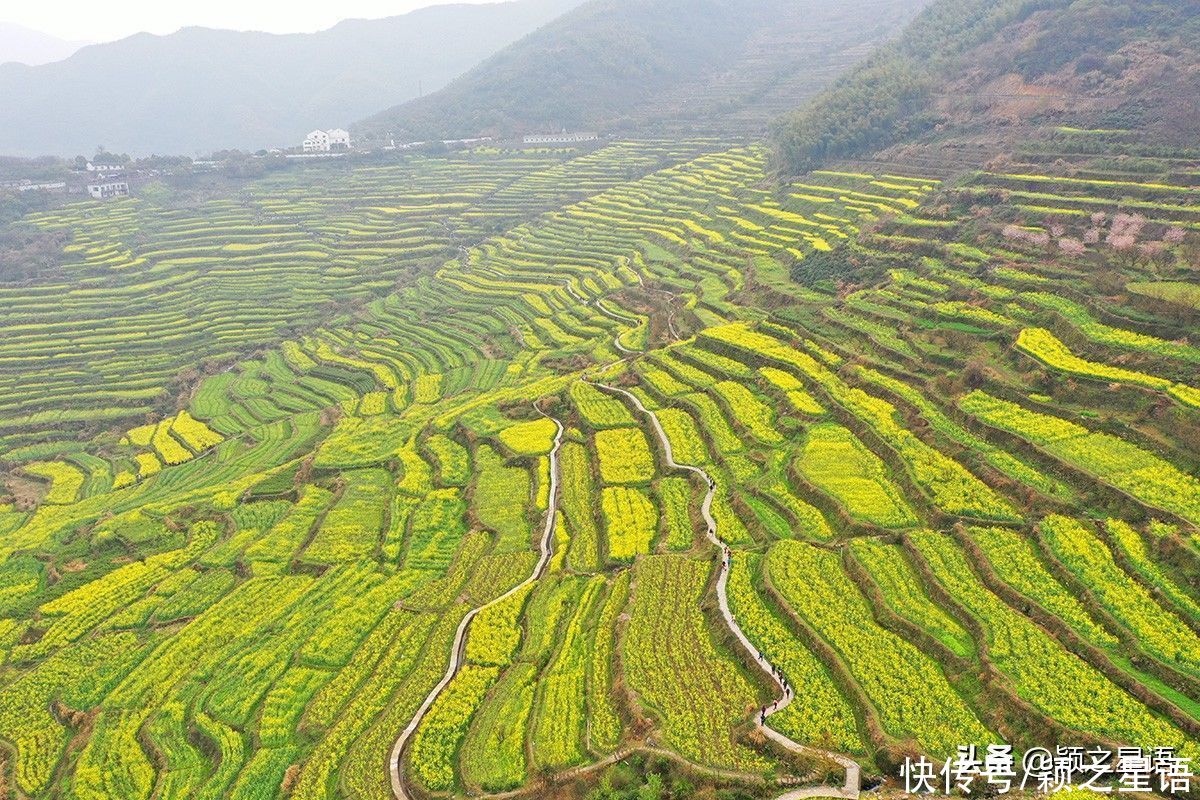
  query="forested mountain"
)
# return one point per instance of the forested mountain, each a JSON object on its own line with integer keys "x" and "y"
{"x": 27, "y": 46}
{"x": 203, "y": 89}
{"x": 665, "y": 65}
{"x": 971, "y": 66}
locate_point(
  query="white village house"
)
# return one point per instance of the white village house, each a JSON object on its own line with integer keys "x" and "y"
{"x": 107, "y": 189}
{"x": 339, "y": 139}
{"x": 320, "y": 141}
{"x": 103, "y": 168}
{"x": 316, "y": 142}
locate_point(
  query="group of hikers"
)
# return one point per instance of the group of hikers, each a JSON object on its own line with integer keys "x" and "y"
{"x": 765, "y": 711}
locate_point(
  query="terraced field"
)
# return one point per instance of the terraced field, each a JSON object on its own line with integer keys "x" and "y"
{"x": 148, "y": 293}
{"x": 941, "y": 432}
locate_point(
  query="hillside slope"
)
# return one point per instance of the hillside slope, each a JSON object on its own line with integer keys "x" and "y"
{"x": 668, "y": 65}
{"x": 965, "y": 443}
{"x": 203, "y": 89}
{"x": 998, "y": 71}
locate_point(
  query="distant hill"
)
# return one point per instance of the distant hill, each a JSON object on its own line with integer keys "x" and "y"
{"x": 999, "y": 71}
{"x": 672, "y": 66}
{"x": 201, "y": 89}
{"x": 27, "y": 46}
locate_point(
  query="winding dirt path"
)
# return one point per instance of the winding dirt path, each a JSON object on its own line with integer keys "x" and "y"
{"x": 546, "y": 547}
{"x": 671, "y": 298}
{"x": 849, "y": 790}
{"x": 637, "y": 323}
{"x": 598, "y": 305}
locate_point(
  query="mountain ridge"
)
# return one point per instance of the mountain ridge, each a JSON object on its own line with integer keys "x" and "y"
{"x": 24, "y": 45}
{"x": 709, "y": 66}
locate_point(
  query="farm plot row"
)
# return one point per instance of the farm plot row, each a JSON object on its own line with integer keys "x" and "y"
{"x": 401, "y": 494}
{"x": 170, "y": 285}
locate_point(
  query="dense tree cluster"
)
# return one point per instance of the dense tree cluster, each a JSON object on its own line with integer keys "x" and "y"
{"x": 26, "y": 254}
{"x": 888, "y": 99}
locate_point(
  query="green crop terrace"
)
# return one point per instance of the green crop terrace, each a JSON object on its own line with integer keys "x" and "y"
{"x": 319, "y": 428}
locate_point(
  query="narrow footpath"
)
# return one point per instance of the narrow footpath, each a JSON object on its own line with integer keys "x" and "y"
{"x": 671, "y": 298}
{"x": 636, "y": 323}
{"x": 546, "y": 548}
{"x": 598, "y": 304}
{"x": 849, "y": 790}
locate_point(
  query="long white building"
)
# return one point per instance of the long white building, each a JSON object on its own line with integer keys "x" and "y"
{"x": 561, "y": 138}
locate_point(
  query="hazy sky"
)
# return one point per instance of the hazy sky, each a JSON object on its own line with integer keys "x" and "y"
{"x": 104, "y": 21}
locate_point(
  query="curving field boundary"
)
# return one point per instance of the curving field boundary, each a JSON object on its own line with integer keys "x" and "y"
{"x": 850, "y": 789}
{"x": 546, "y": 548}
